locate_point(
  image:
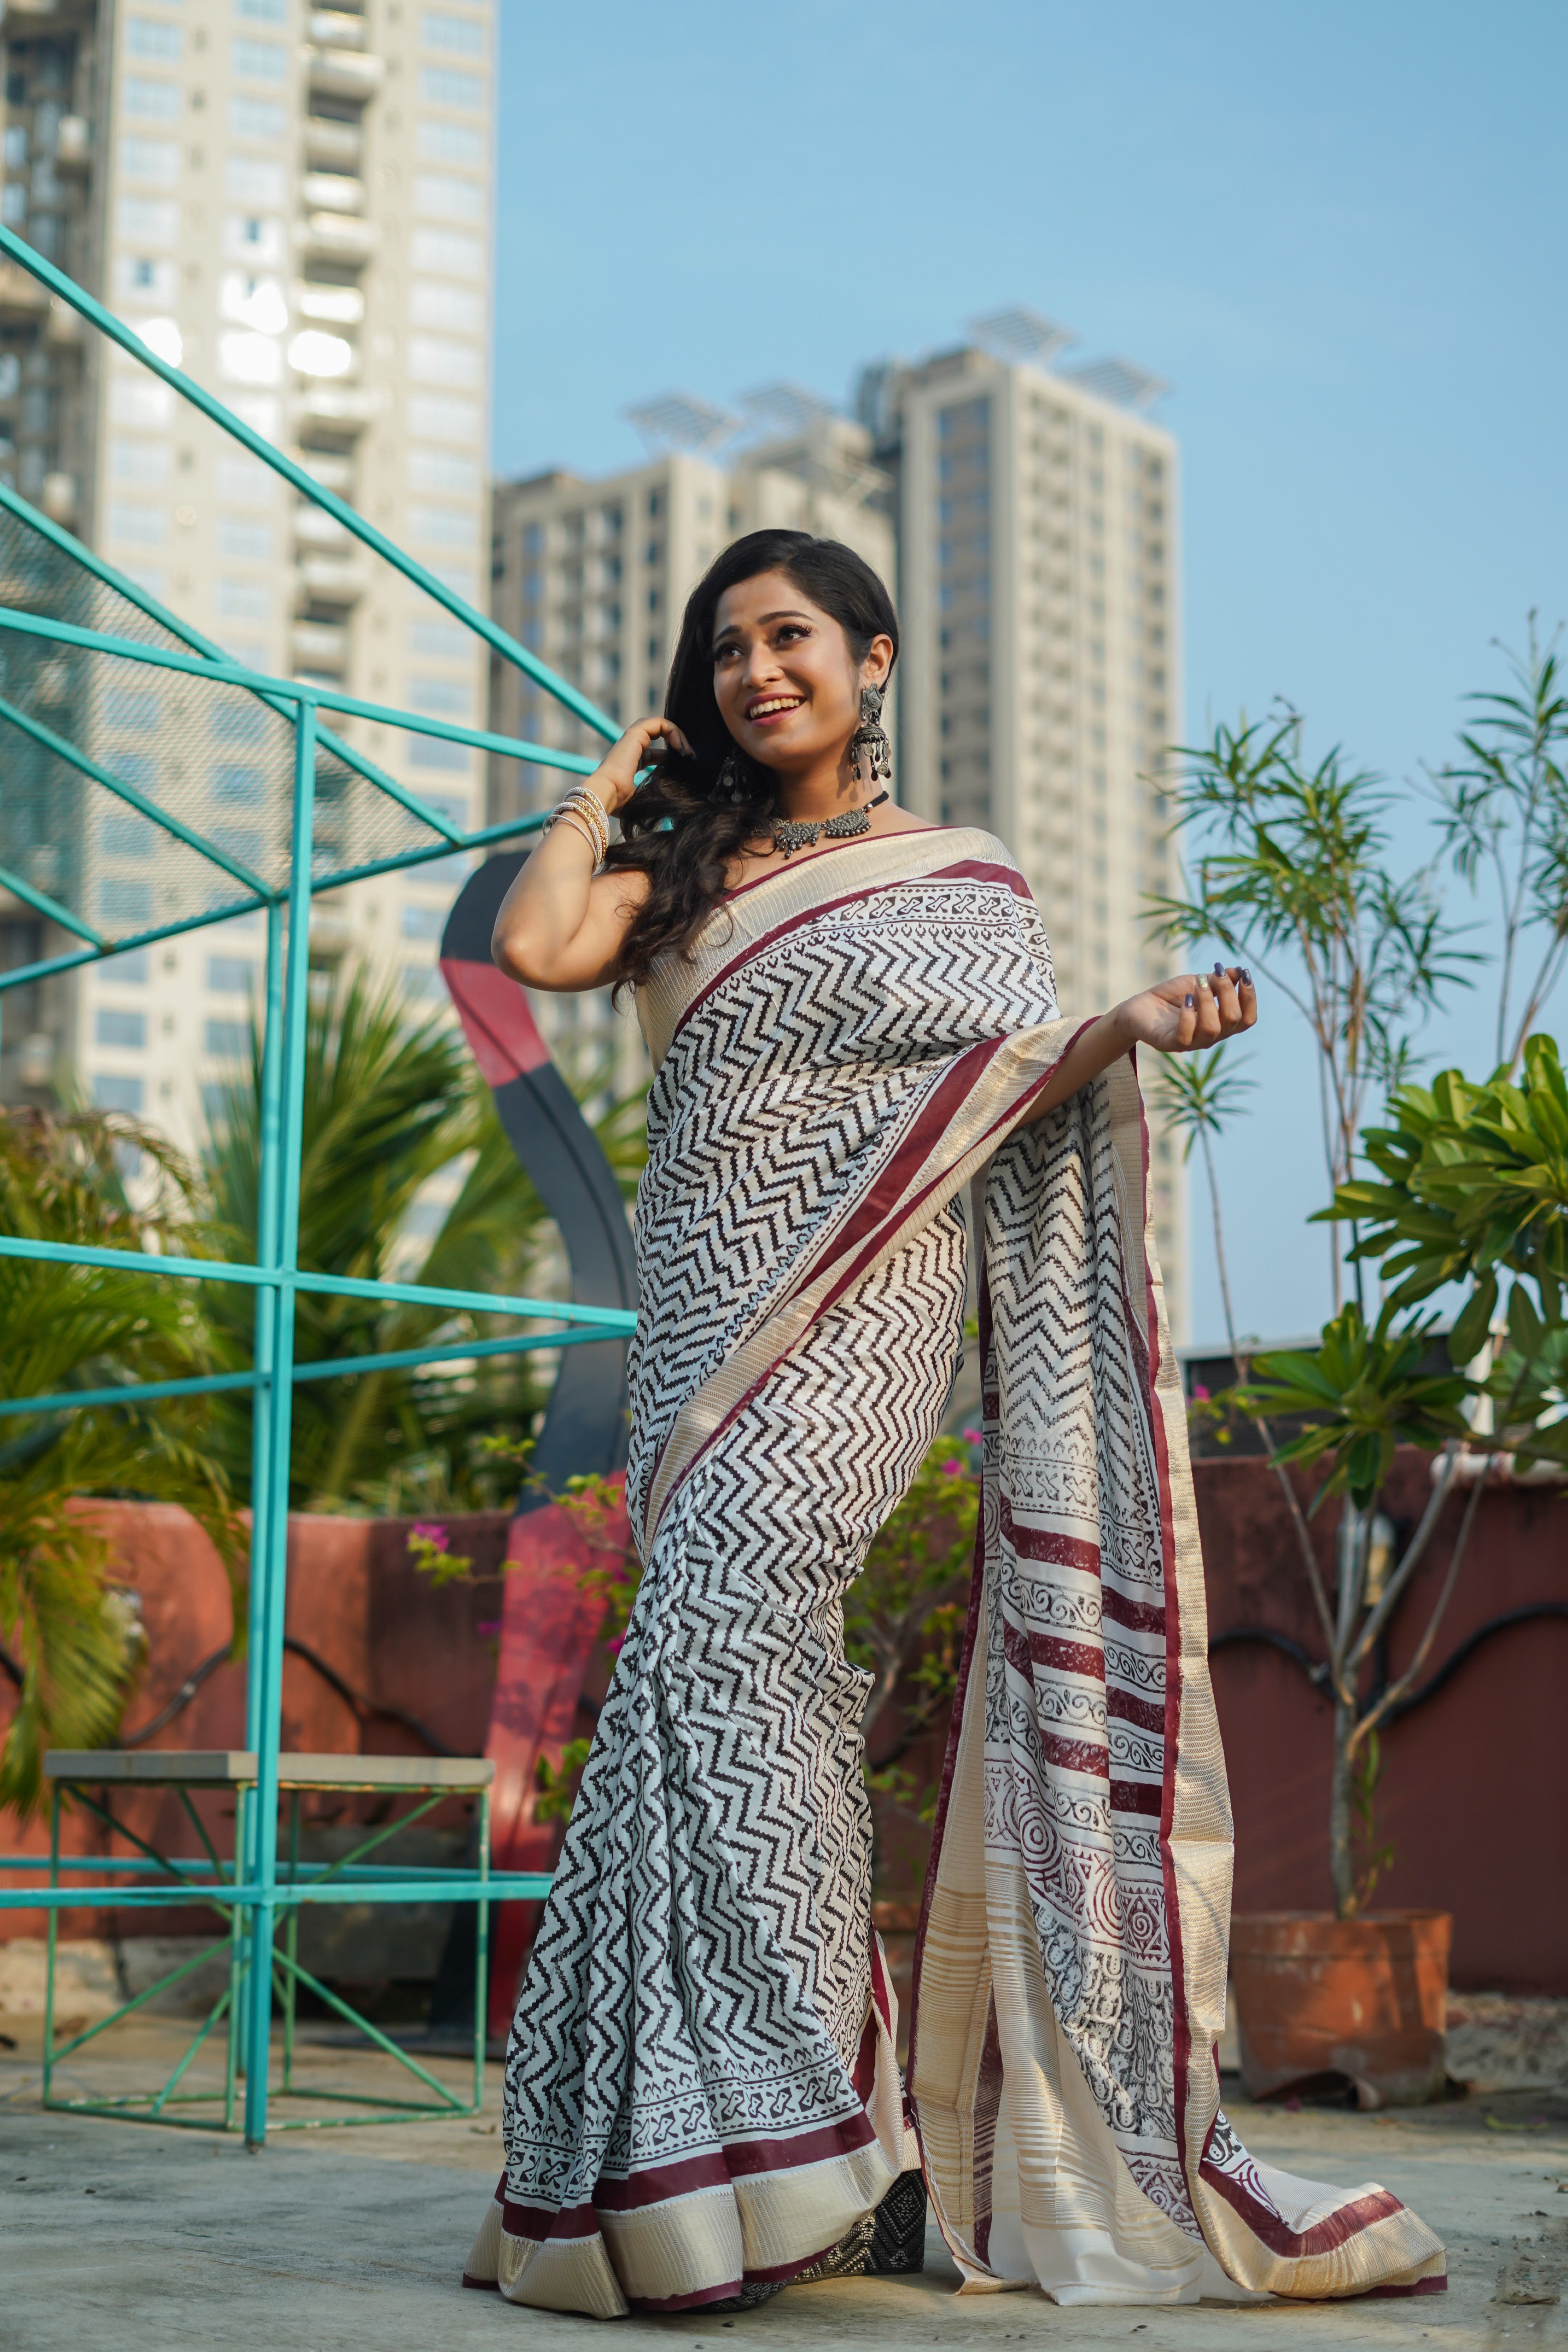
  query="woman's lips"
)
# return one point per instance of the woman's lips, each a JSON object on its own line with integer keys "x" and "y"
{"x": 770, "y": 712}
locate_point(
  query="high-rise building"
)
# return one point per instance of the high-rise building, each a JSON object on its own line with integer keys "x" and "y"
{"x": 1039, "y": 602}
{"x": 594, "y": 576}
{"x": 293, "y": 207}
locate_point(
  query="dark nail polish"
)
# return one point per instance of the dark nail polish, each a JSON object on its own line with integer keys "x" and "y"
{"x": 1245, "y": 979}
{"x": 1189, "y": 1003}
{"x": 1219, "y": 971}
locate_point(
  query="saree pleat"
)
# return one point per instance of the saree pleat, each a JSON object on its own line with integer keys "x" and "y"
{"x": 702, "y": 2092}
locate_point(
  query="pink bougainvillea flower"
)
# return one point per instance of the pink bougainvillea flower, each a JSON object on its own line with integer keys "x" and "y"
{"x": 614, "y": 1647}
{"x": 971, "y": 1437}
{"x": 426, "y": 1531}
{"x": 1199, "y": 1393}
{"x": 954, "y": 1469}
{"x": 487, "y": 1628}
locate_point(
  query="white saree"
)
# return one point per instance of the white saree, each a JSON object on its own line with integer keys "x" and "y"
{"x": 702, "y": 2093}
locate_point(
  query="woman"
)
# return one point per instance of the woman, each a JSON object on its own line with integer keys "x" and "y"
{"x": 852, "y": 1016}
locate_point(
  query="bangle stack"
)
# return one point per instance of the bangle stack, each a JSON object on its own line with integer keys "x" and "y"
{"x": 585, "y": 813}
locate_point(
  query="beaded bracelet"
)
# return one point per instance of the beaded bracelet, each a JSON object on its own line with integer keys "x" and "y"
{"x": 583, "y": 808}
{"x": 569, "y": 816}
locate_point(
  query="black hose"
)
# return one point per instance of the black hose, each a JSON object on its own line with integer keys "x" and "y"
{"x": 363, "y": 1708}
{"x": 1318, "y": 1674}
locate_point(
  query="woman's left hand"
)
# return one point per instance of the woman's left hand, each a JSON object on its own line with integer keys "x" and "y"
{"x": 1186, "y": 1015}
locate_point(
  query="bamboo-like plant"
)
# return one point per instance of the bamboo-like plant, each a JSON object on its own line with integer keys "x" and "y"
{"x": 1505, "y": 811}
{"x": 1286, "y": 868}
{"x": 69, "y": 1648}
{"x": 391, "y": 1111}
{"x": 1363, "y": 1391}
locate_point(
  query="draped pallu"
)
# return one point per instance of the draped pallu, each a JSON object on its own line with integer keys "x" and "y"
{"x": 701, "y": 2082}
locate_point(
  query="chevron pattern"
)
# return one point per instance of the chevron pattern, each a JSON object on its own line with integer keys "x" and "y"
{"x": 701, "y": 2098}
{"x": 1075, "y": 1623}
{"x": 701, "y": 1981}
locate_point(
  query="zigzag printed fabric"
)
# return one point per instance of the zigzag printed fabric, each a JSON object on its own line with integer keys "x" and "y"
{"x": 702, "y": 2095}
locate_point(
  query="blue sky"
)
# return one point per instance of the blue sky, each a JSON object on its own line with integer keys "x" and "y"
{"x": 1337, "y": 230}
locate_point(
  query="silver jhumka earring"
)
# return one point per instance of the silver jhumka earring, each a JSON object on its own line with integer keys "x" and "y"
{"x": 870, "y": 739}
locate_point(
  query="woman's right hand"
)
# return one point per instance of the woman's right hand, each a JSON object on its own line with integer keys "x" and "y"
{"x": 616, "y": 779}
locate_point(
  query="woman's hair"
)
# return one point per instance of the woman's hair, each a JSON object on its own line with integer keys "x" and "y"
{"x": 674, "y": 829}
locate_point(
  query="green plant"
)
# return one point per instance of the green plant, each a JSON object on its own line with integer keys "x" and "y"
{"x": 1287, "y": 869}
{"x": 406, "y": 1175}
{"x": 1505, "y": 809}
{"x": 1472, "y": 1181}
{"x": 1363, "y": 1392}
{"x": 1196, "y": 1094}
{"x": 64, "y": 1178}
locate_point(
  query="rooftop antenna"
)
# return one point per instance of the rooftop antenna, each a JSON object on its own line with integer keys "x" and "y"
{"x": 1122, "y": 382}
{"x": 782, "y": 410}
{"x": 677, "y": 420}
{"x": 1025, "y": 336}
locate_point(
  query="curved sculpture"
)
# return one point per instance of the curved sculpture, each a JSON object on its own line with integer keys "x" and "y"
{"x": 548, "y": 1622}
{"x": 585, "y": 1424}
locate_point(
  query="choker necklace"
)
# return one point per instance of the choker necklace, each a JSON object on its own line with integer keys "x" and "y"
{"x": 788, "y": 836}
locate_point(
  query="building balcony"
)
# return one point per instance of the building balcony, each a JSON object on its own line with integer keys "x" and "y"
{"x": 65, "y": 331}
{"x": 58, "y": 499}
{"x": 330, "y": 580}
{"x": 338, "y": 145}
{"x": 346, "y": 73}
{"x": 320, "y": 532}
{"x": 320, "y": 645}
{"x": 22, "y": 298}
{"x": 337, "y": 236}
{"x": 332, "y": 191}
{"x": 73, "y": 144}
{"x": 343, "y": 407}
{"x": 337, "y": 29}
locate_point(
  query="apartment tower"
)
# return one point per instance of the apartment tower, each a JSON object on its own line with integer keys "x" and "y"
{"x": 1040, "y": 601}
{"x": 293, "y": 207}
{"x": 594, "y": 576}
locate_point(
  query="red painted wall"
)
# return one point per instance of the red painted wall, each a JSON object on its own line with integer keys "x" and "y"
{"x": 1471, "y": 1782}
{"x": 356, "y": 1601}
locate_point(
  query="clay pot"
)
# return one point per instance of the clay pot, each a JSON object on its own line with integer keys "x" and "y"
{"x": 1362, "y": 1999}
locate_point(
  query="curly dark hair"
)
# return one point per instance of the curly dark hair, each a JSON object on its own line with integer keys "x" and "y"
{"x": 674, "y": 830}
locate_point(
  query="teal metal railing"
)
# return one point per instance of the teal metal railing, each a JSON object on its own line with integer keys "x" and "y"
{"x": 254, "y": 1887}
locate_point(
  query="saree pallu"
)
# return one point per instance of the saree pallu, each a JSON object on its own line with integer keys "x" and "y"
{"x": 701, "y": 2090}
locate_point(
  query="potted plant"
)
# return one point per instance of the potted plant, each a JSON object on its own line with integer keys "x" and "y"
{"x": 1288, "y": 873}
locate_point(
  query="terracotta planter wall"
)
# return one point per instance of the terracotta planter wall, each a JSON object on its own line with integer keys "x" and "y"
{"x": 1366, "y": 1998}
{"x": 1460, "y": 1797}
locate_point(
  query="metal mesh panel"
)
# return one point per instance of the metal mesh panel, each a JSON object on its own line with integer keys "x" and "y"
{"x": 217, "y": 758}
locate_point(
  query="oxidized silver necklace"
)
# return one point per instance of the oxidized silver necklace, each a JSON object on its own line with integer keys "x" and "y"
{"x": 789, "y": 836}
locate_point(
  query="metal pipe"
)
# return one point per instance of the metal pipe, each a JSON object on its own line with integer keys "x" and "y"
{"x": 306, "y": 484}
{"x": 340, "y": 1367}
{"x": 270, "y": 1571}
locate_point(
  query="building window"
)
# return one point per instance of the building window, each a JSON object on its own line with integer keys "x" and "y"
{"x": 259, "y": 60}
{"x": 146, "y": 37}
{"x": 230, "y": 975}
{"x": 423, "y": 922}
{"x": 112, "y": 1027}
{"x": 116, "y": 1092}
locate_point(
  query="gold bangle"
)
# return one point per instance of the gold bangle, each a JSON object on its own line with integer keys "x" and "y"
{"x": 590, "y": 803}
{"x": 569, "y": 816}
{"x": 588, "y": 806}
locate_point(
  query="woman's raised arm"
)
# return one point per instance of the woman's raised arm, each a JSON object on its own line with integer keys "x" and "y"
{"x": 561, "y": 923}
{"x": 1179, "y": 1016}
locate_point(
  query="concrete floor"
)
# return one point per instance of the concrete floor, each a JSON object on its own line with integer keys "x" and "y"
{"x": 353, "y": 2241}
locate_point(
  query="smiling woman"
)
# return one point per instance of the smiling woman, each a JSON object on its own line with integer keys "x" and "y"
{"x": 852, "y": 1016}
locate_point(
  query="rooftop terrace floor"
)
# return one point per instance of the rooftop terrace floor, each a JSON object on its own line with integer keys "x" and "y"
{"x": 353, "y": 2241}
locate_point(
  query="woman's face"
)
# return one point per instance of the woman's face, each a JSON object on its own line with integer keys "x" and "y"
{"x": 787, "y": 685}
